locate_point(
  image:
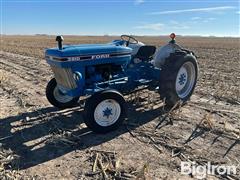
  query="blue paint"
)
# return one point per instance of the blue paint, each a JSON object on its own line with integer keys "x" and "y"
{"x": 84, "y": 61}
{"x": 107, "y": 112}
{"x": 89, "y": 49}
{"x": 182, "y": 79}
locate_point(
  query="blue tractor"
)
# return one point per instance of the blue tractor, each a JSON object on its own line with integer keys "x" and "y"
{"x": 104, "y": 72}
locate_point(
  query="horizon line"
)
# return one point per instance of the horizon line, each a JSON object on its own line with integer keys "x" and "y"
{"x": 147, "y": 35}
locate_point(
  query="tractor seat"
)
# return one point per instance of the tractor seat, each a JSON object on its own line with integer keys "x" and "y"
{"x": 145, "y": 52}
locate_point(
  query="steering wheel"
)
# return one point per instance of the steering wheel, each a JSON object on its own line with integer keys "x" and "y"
{"x": 129, "y": 39}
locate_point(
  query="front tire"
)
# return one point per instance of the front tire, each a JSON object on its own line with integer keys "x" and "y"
{"x": 178, "y": 78}
{"x": 105, "y": 111}
{"x": 57, "y": 98}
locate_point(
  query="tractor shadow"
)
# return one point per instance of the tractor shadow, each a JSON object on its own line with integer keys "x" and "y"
{"x": 197, "y": 132}
{"x": 30, "y": 135}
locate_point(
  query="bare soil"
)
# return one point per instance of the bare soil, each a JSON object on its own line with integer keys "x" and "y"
{"x": 38, "y": 141}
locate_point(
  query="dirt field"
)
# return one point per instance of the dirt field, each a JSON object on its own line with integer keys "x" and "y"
{"x": 37, "y": 141}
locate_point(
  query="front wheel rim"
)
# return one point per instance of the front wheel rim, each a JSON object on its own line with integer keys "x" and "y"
{"x": 61, "y": 97}
{"x": 107, "y": 112}
{"x": 185, "y": 80}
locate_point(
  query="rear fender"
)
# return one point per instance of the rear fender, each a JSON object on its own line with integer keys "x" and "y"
{"x": 163, "y": 53}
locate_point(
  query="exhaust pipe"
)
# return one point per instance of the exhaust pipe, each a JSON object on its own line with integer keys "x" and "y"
{"x": 59, "y": 39}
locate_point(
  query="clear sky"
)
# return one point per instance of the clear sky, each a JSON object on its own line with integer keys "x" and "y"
{"x": 114, "y": 17}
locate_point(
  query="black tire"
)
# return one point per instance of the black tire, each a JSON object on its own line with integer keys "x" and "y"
{"x": 169, "y": 72}
{"x": 51, "y": 87}
{"x": 91, "y": 107}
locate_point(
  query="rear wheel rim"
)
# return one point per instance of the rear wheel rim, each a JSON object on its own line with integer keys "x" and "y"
{"x": 107, "y": 112}
{"x": 61, "y": 97}
{"x": 185, "y": 80}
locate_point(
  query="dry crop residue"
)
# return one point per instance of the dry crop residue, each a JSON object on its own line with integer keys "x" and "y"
{"x": 39, "y": 141}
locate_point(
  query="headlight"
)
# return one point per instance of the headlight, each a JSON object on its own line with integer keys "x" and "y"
{"x": 77, "y": 76}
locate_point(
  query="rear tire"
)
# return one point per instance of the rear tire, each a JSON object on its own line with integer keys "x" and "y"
{"x": 105, "y": 111}
{"x": 178, "y": 78}
{"x": 57, "y": 98}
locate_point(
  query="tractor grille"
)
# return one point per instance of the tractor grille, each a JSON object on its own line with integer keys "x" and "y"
{"x": 64, "y": 77}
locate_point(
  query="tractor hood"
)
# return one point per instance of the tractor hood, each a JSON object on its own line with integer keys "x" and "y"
{"x": 88, "y": 49}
